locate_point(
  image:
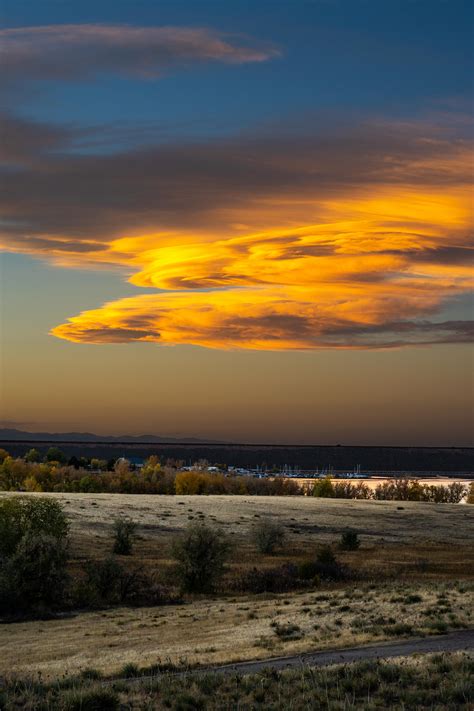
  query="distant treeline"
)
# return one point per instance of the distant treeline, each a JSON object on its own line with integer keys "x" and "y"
{"x": 153, "y": 478}
{"x": 394, "y": 490}
{"x": 119, "y": 477}
{"x": 268, "y": 457}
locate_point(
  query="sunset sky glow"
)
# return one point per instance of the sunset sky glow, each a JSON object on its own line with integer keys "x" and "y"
{"x": 280, "y": 191}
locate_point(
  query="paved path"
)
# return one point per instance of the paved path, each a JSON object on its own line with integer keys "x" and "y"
{"x": 461, "y": 640}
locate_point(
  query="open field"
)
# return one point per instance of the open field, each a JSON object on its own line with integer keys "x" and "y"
{"x": 410, "y": 538}
{"x": 417, "y": 561}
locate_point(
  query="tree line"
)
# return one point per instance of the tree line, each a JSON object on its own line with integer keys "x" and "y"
{"x": 33, "y": 473}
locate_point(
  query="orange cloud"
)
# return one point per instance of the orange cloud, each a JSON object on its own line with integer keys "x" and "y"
{"x": 355, "y": 240}
{"x": 271, "y": 319}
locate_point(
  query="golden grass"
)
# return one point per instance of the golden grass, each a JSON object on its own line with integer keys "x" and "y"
{"x": 409, "y": 538}
{"x": 216, "y": 631}
{"x": 425, "y": 546}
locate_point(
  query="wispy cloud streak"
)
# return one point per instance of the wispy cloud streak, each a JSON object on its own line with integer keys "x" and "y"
{"x": 79, "y": 52}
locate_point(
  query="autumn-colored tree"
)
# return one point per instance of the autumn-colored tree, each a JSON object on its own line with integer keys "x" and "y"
{"x": 470, "y": 496}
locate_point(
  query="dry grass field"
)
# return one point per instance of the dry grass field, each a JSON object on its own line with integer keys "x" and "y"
{"x": 224, "y": 630}
{"x": 421, "y": 556}
{"x": 410, "y": 538}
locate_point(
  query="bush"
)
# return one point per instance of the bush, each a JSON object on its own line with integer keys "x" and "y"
{"x": 124, "y": 534}
{"x": 274, "y": 580}
{"x": 287, "y": 631}
{"x": 107, "y": 582}
{"x": 325, "y": 567}
{"x": 92, "y": 700}
{"x": 201, "y": 553}
{"x": 349, "y": 541}
{"x": 324, "y": 488}
{"x": 470, "y": 496}
{"x": 268, "y": 535}
{"x": 21, "y": 515}
{"x": 35, "y": 575}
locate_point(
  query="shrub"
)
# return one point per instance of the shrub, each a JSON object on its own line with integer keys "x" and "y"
{"x": 129, "y": 670}
{"x": 107, "y": 581}
{"x": 287, "y": 631}
{"x": 124, "y": 534}
{"x": 268, "y": 535}
{"x": 20, "y": 515}
{"x": 309, "y": 570}
{"x": 324, "y": 488}
{"x": 470, "y": 496}
{"x": 35, "y": 575}
{"x": 93, "y": 700}
{"x": 325, "y": 567}
{"x": 274, "y": 580}
{"x": 201, "y": 553}
{"x": 349, "y": 541}
{"x": 326, "y": 556}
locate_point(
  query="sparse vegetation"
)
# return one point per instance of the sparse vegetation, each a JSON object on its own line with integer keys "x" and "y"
{"x": 201, "y": 553}
{"x": 124, "y": 534}
{"x": 441, "y": 682}
{"x": 269, "y": 535}
{"x": 349, "y": 541}
{"x": 332, "y": 595}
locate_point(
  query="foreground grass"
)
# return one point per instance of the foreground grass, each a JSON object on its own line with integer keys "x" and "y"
{"x": 430, "y": 682}
{"x": 220, "y": 630}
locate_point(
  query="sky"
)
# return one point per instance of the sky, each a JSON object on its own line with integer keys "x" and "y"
{"x": 246, "y": 221}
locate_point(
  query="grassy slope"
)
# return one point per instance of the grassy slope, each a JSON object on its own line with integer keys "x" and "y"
{"x": 423, "y": 546}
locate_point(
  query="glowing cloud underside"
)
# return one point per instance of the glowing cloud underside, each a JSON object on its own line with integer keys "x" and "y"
{"x": 361, "y": 284}
{"x": 255, "y": 245}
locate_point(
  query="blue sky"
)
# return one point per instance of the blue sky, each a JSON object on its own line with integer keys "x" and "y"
{"x": 398, "y": 57}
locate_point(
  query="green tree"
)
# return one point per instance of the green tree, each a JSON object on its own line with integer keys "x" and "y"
{"x": 201, "y": 553}
{"x": 324, "y": 488}
{"x": 35, "y": 575}
{"x": 32, "y": 456}
{"x": 54, "y": 454}
{"x": 3, "y": 455}
{"x": 21, "y": 515}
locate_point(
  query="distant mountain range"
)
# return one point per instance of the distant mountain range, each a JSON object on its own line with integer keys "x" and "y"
{"x": 10, "y": 435}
